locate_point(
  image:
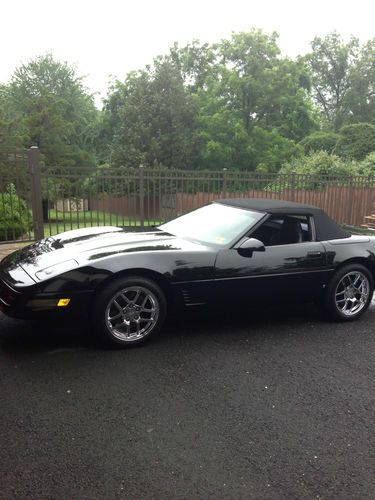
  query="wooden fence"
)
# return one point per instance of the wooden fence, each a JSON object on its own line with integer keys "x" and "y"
{"x": 346, "y": 205}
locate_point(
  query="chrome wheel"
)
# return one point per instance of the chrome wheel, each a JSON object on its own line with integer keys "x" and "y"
{"x": 132, "y": 313}
{"x": 352, "y": 293}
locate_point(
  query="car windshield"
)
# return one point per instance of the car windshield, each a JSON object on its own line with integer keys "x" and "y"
{"x": 213, "y": 224}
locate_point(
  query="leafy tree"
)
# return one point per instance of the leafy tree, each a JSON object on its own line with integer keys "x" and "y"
{"x": 264, "y": 89}
{"x": 361, "y": 94}
{"x": 342, "y": 79}
{"x": 55, "y": 110}
{"x": 196, "y": 62}
{"x": 271, "y": 150}
{"x": 356, "y": 141}
{"x": 320, "y": 141}
{"x": 252, "y": 106}
{"x": 152, "y": 116}
{"x": 10, "y": 133}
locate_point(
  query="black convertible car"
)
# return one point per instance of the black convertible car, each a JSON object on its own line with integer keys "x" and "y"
{"x": 236, "y": 251}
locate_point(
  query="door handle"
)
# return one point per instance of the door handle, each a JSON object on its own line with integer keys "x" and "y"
{"x": 314, "y": 254}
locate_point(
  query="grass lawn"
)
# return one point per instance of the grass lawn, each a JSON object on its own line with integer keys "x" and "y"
{"x": 358, "y": 230}
{"x": 65, "y": 221}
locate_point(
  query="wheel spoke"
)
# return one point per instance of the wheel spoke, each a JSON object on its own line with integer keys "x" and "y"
{"x": 116, "y": 304}
{"x": 121, "y": 325}
{"x": 128, "y": 331}
{"x": 356, "y": 279}
{"x": 119, "y": 315}
{"x": 123, "y": 296}
{"x": 349, "y": 281}
{"x": 136, "y": 296}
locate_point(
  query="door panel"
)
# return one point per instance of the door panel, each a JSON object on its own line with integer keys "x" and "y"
{"x": 283, "y": 272}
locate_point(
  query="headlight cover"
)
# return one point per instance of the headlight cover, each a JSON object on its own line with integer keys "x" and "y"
{"x": 61, "y": 267}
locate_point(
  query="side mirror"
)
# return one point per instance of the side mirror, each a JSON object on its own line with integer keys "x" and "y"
{"x": 249, "y": 246}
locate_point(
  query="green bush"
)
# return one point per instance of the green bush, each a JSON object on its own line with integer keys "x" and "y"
{"x": 320, "y": 163}
{"x": 320, "y": 141}
{"x": 356, "y": 141}
{"x": 15, "y": 218}
{"x": 367, "y": 166}
{"x": 314, "y": 171}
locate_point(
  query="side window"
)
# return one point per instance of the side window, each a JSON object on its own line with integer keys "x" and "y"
{"x": 284, "y": 230}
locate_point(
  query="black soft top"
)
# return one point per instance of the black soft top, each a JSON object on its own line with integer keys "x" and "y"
{"x": 325, "y": 227}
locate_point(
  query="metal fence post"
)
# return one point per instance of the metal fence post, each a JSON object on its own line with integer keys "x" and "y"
{"x": 141, "y": 196}
{"x": 36, "y": 192}
{"x": 225, "y": 181}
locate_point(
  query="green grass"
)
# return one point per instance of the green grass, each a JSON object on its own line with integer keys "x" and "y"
{"x": 358, "y": 230}
{"x": 66, "y": 221}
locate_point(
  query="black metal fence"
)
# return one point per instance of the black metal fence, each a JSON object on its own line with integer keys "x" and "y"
{"x": 38, "y": 200}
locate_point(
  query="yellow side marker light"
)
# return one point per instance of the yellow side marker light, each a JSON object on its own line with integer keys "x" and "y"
{"x": 63, "y": 302}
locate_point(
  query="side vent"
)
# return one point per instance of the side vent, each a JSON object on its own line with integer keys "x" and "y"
{"x": 191, "y": 299}
{"x": 186, "y": 296}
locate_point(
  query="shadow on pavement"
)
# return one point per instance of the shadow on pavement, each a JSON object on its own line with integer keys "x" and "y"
{"x": 46, "y": 334}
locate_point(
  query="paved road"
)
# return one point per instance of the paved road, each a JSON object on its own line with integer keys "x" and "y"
{"x": 281, "y": 405}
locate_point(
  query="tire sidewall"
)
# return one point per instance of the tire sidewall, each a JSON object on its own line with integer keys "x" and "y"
{"x": 105, "y": 296}
{"x": 330, "y": 301}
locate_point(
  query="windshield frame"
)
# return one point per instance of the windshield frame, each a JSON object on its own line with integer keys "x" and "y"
{"x": 231, "y": 243}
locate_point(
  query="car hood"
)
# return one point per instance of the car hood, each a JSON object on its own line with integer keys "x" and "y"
{"x": 76, "y": 248}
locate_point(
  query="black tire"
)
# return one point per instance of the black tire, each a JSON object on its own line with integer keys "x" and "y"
{"x": 334, "y": 300}
{"x": 123, "y": 331}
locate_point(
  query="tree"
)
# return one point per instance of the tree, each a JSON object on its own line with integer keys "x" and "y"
{"x": 343, "y": 76}
{"x": 196, "y": 62}
{"x": 361, "y": 94}
{"x": 356, "y": 141}
{"x": 55, "y": 110}
{"x": 10, "y": 131}
{"x": 152, "y": 116}
{"x": 253, "y": 105}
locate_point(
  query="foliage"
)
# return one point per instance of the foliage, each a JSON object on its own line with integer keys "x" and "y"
{"x": 343, "y": 76}
{"x": 11, "y": 134}
{"x": 320, "y": 163}
{"x": 320, "y": 141}
{"x": 356, "y": 141}
{"x": 314, "y": 171}
{"x": 15, "y": 219}
{"x": 367, "y": 166}
{"x": 54, "y": 111}
{"x": 254, "y": 105}
{"x": 271, "y": 150}
{"x": 152, "y": 118}
{"x": 237, "y": 104}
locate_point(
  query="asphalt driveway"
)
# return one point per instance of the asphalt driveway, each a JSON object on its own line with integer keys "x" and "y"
{"x": 277, "y": 405}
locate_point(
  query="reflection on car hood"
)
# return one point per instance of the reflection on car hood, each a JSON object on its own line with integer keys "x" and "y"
{"x": 90, "y": 244}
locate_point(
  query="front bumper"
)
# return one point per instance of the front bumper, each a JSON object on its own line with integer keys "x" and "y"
{"x": 27, "y": 303}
